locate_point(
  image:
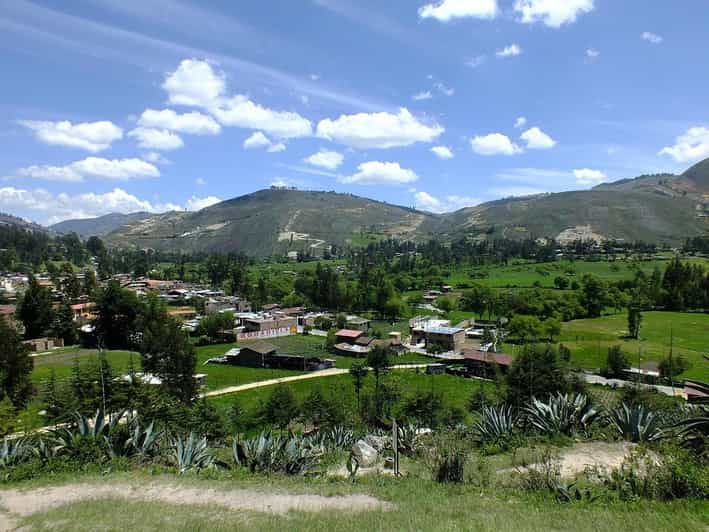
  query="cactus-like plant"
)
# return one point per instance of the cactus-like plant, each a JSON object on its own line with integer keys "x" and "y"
{"x": 635, "y": 423}
{"x": 13, "y": 452}
{"x": 496, "y": 423}
{"x": 561, "y": 414}
{"x": 191, "y": 453}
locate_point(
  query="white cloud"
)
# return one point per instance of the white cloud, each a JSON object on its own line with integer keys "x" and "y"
{"x": 89, "y": 136}
{"x": 536, "y": 139}
{"x": 427, "y": 202}
{"x": 423, "y": 95}
{"x": 446, "y": 10}
{"x": 193, "y": 123}
{"x": 200, "y": 182}
{"x": 197, "y": 204}
{"x": 50, "y": 208}
{"x": 330, "y": 160}
{"x": 117, "y": 169}
{"x": 380, "y": 173}
{"x": 691, "y": 146}
{"x": 446, "y": 91}
{"x": 509, "y": 51}
{"x": 520, "y": 122}
{"x": 442, "y": 152}
{"x": 239, "y": 111}
{"x": 194, "y": 83}
{"x": 156, "y": 139}
{"x": 155, "y": 157}
{"x": 494, "y": 144}
{"x": 589, "y": 177}
{"x": 378, "y": 130}
{"x": 592, "y": 53}
{"x": 553, "y": 13}
{"x": 258, "y": 141}
{"x": 651, "y": 37}
{"x": 475, "y": 62}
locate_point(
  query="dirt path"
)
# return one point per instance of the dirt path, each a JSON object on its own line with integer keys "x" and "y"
{"x": 282, "y": 380}
{"x": 21, "y": 503}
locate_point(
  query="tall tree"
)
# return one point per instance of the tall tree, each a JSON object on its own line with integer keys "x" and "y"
{"x": 117, "y": 314}
{"x": 35, "y": 309}
{"x": 167, "y": 352}
{"x": 15, "y": 365}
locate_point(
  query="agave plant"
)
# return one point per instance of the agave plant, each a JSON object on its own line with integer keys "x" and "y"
{"x": 496, "y": 423}
{"x": 408, "y": 436}
{"x": 266, "y": 453}
{"x": 561, "y": 414}
{"x": 88, "y": 437}
{"x": 13, "y": 452}
{"x": 143, "y": 442}
{"x": 635, "y": 423}
{"x": 191, "y": 453}
{"x": 338, "y": 437}
{"x": 694, "y": 431}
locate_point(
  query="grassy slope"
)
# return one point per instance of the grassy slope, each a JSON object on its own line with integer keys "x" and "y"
{"x": 419, "y": 504}
{"x": 589, "y": 339}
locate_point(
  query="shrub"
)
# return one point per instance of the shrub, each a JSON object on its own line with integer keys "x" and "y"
{"x": 616, "y": 361}
{"x": 448, "y": 458}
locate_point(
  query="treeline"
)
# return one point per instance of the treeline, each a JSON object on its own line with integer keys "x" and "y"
{"x": 20, "y": 246}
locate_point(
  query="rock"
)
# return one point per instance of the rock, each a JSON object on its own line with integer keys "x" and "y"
{"x": 389, "y": 463}
{"x": 378, "y": 442}
{"x": 365, "y": 454}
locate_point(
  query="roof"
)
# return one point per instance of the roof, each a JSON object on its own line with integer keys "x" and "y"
{"x": 263, "y": 348}
{"x": 443, "y": 330}
{"x": 363, "y": 340}
{"x": 349, "y": 333}
{"x": 487, "y": 358}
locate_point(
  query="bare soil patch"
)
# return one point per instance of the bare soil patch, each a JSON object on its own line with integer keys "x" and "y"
{"x": 22, "y": 503}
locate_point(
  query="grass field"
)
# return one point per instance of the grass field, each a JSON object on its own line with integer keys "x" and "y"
{"x": 218, "y": 376}
{"x": 524, "y": 274}
{"x": 455, "y": 390}
{"x": 589, "y": 340}
{"x": 415, "y": 503}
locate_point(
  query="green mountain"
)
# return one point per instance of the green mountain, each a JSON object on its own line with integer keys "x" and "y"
{"x": 100, "y": 226}
{"x": 663, "y": 208}
{"x": 277, "y": 221}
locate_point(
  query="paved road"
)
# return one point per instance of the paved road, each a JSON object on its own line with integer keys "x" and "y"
{"x": 314, "y": 375}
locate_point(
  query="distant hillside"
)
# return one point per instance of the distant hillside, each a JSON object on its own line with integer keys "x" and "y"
{"x": 100, "y": 226}
{"x": 276, "y": 221}
{"x": 8, "y": 220}
{"x": 662, "y": 208}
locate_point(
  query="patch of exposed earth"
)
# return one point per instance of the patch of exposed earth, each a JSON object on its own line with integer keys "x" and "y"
{"x": 22, "y": 503}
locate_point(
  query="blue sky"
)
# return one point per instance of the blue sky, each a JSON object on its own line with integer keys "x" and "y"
{"x": 125, "y": 105}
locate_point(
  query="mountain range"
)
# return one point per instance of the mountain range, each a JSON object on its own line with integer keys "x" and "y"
{"x": 662, "y": 208}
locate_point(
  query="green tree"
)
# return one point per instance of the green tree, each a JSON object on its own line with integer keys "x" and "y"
{"x": 280, "y": 408}
{"x": 551, "y": 328}
{"x": 594, "y": 295}
{"x": 525, "y": 327}
{"x": 616, "y": 361}
{"x": 117, "y": 316}
{"x": 358, "y": 372}
{"x": 64, "y": 326}
{"x": 167, "y": 352}
{"x": 635, "y": 319}
{"x": 562, "y": 283}
{"x": 34, "y": 309}
{"x": 15, "y": 365}
{"x": 536, "y": 372}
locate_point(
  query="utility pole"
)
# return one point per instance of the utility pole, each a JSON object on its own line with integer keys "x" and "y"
{"x": 672, "y": 383}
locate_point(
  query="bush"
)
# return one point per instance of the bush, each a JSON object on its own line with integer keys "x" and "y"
{"x": 672, "y": 474}
{"x": 616, "y": 362}
{"x": 447, "y": 458}
{"x": 280, "y": 408}
{"x": 496, "y": 424}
